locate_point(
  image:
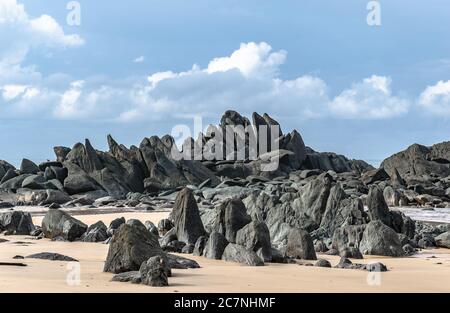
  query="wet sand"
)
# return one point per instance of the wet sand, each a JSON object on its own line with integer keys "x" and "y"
{"x": 414, "y": 274}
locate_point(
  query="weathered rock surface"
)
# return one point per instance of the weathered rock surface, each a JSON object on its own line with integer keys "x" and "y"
{"x": 57, "y": 223}
{"x": 131, "y": 245}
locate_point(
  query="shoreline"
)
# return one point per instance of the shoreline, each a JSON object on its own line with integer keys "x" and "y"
{"x": 420, "y": 273}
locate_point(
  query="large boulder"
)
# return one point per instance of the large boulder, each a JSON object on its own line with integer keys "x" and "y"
{"x": 239, "y": 254}
{"x": 16, "y": 223}
{"x": 186, "y": 217}
{"x": 379, "y": 239}
{"x": 56, "y": 196}
{"x": 443, "y": 240}
{"x": 231, "y": 218}
{"x": 215, "y": 246}
{"x": 130, "y": 246}
{"x": 14, "y": 183}
{"x": 255, "y": 236}
{"x": 28, "y": 167}
{"x": 300, "y": 245}
{"x": 57, "y": 223}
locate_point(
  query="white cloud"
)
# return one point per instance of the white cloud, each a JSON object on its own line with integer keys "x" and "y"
{"x": 436, "y": 99}
{"x": 19, "y": 33}
{"x": 251, "y": 59}
{"x": 247, "y": 80}
{"x": 139, "y": 59}
{"x": 371, "y": 99}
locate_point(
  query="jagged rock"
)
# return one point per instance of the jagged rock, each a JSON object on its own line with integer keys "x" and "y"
{"x": 179, "y": 262}
{"x": 57, "y": 223}
{"x": 152, "y": 228}
{"x": 14, "y": 183}
{"x": 5, "y": 167}
{"x": 134, "y": 277}
{"x": 379, "y": 239}
{"x": 115, "y": 224}
{"x": 347, "y": 236}
{"x": 256, "y": 236}
{"x": 231, "y": 218}
{"x": 11, "y": 173}
{"x": 186, "y": 217}
{"x": 96, "y": 233}
{"x": 239, "y": 254}
{"x": 130, "y": 246}
{"x": 377, "y": 207}
{"x": 215, "y": 246}
{"x": 418, "y": 160}
{"x": 374, "y": 176}
{"x": 154, "y": 272}
{"x": 56, "y": 196}
{"x": 28, "y": 167}
{"x": 16, "y": 223}
{"x": 342, "y": 210}
{"x": 199, "y": 246}
{"x": 300, "y": 245}
{"x": 164, "y": 226}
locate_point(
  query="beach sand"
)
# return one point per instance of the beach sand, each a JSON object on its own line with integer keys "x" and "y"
{"x": 414, "y": 274}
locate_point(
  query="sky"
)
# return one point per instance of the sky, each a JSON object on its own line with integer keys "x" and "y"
{"x": 71, "y": 70}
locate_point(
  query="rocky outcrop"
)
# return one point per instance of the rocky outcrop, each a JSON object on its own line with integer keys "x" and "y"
{"x": 186, "y": 217}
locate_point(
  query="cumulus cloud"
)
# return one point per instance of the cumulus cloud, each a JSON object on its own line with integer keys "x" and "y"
{"x": 246, "y": 80}
{"x": 371, "y": 99}
{"x": 436, "y": 99}
{"x": 20, "y": 32}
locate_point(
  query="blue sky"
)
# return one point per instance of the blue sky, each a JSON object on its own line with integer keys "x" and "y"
{"x": 137, "y": 68}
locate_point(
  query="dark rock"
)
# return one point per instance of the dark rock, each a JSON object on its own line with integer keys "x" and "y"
{"x": 115, "y": 224}
{"x": 379, "y": 239}
{"x": 199, "y": 246}
{"x": 239, "y": 254}
{"x": 374, "y": 176}
{"x": 300, "y": 245}
{"x": 130, "y": 246}
{"x": 186, "y": 217}
{"x": 154, "y": 272}
{"x": 256, "y": 236}
{"x": 377, "y": 207}
{"x": 57, "y": 223}
{"x": 232, "y": 217}
{"x": 164, "y": 226}
{"x": 96, "y": 233}
{"x": 51, "y": 257}
{"x": 133, "y": 277}
{"x": 322, "y": 263}
{"x": 16, "y": 223}
{"x": 443, "y": 240}
{"x": 188, "y": 249}
{"x": 351, "y": 252}
{"x": 376, "y": 267}
{"x": 215, "y": 246}
{"x": 179, "y": 262}
{"x": 28, "y": 167}
{"x": 152, "y": 228}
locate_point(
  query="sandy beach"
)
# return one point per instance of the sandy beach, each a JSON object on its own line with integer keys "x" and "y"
{"x": 428, "y": 271}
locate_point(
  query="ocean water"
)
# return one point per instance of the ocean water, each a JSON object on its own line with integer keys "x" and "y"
{"x": 439, "y": 215}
